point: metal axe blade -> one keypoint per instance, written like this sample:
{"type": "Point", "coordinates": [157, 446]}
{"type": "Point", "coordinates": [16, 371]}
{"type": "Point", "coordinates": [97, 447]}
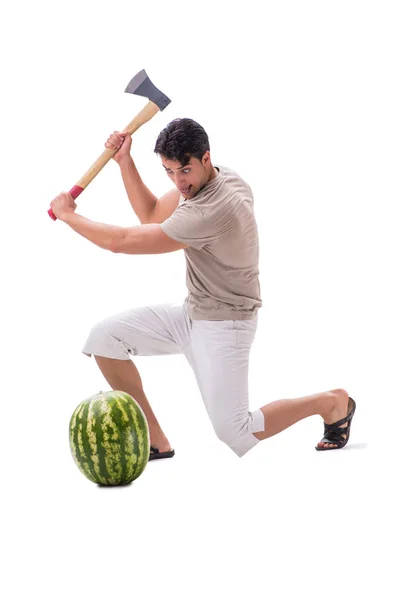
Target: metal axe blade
{"type": "Point", "coordinates": [141, 85]}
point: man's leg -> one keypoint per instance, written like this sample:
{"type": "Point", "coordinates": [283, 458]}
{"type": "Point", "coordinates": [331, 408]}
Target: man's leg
{"type": "Point", "coordinates": [123, 375]}
{"type": "Point", "coordinates": [281, 414]}
{"type": "Point", "coordinates": [219, 355]}
{"type": "Point", "coordinates": [156, 330]}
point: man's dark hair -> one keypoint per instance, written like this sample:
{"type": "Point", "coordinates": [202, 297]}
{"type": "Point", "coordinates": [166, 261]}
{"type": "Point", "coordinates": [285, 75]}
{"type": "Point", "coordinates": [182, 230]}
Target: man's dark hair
{"type": "Point", "coordinates": [181, 139]}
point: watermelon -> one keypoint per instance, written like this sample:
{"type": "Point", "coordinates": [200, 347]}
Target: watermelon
{"type": "Point", "coordinates": [109, 438]}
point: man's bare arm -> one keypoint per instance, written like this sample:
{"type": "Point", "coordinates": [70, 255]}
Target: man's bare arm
{"type": "Point", "coordinates": [164, 207]}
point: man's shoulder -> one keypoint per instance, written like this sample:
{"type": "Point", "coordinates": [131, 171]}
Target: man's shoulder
{"type": "Point", "coordinates": [225, 171]}
{"type": "Point", "coordinates": [234, 182]}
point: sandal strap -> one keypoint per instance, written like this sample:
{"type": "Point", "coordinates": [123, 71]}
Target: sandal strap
{"type": "Point", "coordinates": [334, 434]}
{"type": "Point", "coordinates": [342, 421]}
{"type": "Point", "coordinates": [336, 430]}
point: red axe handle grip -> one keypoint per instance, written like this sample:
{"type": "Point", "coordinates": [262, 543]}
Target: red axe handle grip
{"type": "Point", "coordinates": [75, 191]}
{"type": "Point", "coordinates": [145, 115]}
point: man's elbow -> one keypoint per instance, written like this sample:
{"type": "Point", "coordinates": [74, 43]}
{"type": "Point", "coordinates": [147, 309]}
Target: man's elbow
{"type": "Point", "coordinates": [116, 244]}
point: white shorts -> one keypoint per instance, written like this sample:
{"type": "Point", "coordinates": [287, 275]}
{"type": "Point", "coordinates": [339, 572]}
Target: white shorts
{"type": "Point", "coordinates": [217, 351]}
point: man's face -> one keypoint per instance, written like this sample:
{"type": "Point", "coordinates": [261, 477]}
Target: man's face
{"type": "Point", "coordinates": [191, 178]}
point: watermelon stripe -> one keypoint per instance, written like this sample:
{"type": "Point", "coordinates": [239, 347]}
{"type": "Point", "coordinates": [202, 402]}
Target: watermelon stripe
{"type": "Point", "coordinates": [85, 442]}
{"type": "Point", "coordinates": [112, 442]}
{"type": "Point", "coordinates": [140, 423]}
{"type": "Point", "coordinates": [136, 426]}
{"type": "Point", "coordinates": [115, 430]}
{"type": "Point", "coordinates": [136, 457]}
{"type": "Point", "coordinates": [77, 442]}
{"type": "Point", "coordinates": [99, 439]}
{"type": "Point", "coordinates": [132, 446]}
{"type": "Point", "coordinates": [91, 434]}
{"type": "Point", "coordinates": [122, 422]}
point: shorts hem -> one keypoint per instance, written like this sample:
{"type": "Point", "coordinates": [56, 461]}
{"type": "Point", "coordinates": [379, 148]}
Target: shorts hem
{"type": "Point", "coordinates": [106, 354]}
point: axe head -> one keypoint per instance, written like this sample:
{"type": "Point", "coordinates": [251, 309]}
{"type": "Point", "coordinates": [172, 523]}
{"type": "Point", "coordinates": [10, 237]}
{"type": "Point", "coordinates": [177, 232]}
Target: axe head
{"type": "Point", "coordinates": [142, 86]}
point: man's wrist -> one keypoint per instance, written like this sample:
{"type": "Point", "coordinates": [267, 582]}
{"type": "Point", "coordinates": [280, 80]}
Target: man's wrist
{"type": "Point", "coordinates": [125, 161]}
{"type": "Point", "coordinates": [68, 217]}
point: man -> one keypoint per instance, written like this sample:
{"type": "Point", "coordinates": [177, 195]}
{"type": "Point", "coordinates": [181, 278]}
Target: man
{"type": "Point", "coordinates": [209, 214]}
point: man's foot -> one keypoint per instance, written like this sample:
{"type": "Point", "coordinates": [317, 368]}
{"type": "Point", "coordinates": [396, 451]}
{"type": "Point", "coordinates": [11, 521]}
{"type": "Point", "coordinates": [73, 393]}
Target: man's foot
{"type": "Point", "coordinates": [160, 447]}
{"type": "Point", "coordinates": [156, 453]}
{"type": "Point", "coordinates": [337, 418]}
{"type": "Point", "coordinates": [158, 439]}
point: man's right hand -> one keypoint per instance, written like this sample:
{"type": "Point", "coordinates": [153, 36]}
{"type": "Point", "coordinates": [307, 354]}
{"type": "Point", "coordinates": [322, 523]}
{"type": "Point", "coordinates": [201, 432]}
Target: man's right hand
{"type": "Point", "coordinates": [121, 142]}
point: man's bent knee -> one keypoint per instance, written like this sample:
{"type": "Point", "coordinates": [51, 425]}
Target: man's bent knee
{"type": "Point", "coordinates": [238, 440]}
{"type": "Point", "coordinates": [102, 342]}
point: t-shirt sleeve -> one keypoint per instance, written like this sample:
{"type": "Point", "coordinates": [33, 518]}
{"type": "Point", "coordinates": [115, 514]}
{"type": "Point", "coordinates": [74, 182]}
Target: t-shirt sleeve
{"type": "Point", "coordinates": [190, 225]}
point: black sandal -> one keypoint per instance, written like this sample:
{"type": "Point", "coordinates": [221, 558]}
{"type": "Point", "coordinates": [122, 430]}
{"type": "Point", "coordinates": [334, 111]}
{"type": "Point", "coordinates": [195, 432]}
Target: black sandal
{"type": "Point", "coordinates": [333, 432]}
{"type": "Point", "coordinates": [155, 453]}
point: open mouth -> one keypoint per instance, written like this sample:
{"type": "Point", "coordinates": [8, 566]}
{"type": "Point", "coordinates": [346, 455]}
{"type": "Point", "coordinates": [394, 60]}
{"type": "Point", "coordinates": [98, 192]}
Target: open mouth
{"type": "Point", "coordinates": [185, 190]}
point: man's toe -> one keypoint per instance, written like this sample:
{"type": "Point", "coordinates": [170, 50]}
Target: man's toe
{"type": "Point", "coordinates": [326, 445]}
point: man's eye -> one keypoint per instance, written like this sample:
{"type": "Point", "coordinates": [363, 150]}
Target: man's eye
{"type": "Point", "coordinates": [186, 170]}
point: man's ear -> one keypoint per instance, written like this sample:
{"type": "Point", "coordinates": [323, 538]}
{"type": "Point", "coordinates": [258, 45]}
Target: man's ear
{"type": "Point", "coordinates": [206, 158]}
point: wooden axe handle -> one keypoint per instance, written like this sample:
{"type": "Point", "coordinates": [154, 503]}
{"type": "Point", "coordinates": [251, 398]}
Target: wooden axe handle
{"type": "Point", "coordinates": [145, 115]}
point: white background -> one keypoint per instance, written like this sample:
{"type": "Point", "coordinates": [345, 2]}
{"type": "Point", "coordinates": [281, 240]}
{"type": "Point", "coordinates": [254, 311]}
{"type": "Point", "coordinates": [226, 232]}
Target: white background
{"type": "Point", "coordinates": [302, 99]}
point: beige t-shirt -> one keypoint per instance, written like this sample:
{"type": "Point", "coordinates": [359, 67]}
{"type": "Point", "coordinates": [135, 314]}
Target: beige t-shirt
{"type": "Point", "coordinates": [222, 261]}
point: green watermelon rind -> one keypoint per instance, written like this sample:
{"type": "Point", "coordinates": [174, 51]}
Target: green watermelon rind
{"type": "Point", "coordinates": [100, 452]}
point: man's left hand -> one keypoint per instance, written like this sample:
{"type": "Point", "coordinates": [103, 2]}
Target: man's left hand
{"type": "Point", "coordinates": [62, 205]}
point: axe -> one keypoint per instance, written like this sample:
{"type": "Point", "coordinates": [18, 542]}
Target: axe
{"type": "Point", "coordinates": [141, 86]}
